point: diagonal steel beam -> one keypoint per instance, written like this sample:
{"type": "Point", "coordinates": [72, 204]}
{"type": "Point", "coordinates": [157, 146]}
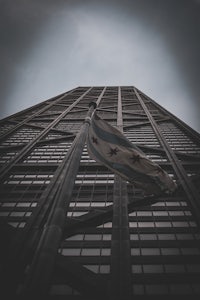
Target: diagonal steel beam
{"type": "Point", "coordinates": [57, 99]}
{"type": "Point", "coordinates": [31, 145]}
{"type": "Point", "coordinates": [39, 275]}
{"type": "Point", "coordinates": [80, 278]}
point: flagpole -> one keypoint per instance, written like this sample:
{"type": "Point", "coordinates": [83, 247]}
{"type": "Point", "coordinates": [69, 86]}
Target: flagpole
{"type": "Point", "coordinates": [41, 269]}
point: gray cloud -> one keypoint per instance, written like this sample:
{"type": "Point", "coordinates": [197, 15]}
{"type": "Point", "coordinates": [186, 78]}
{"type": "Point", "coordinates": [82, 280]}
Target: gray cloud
{"type": "Point", "coordinates": [48, 47]}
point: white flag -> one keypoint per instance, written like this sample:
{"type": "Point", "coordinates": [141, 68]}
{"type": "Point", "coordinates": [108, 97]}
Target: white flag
{"type": "Point", "coordinates": [110, 147]}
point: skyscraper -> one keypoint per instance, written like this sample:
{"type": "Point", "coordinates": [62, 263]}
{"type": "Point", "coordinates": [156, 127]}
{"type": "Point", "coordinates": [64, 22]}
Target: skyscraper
{"type": "Point", "coordinates": [71, 229]}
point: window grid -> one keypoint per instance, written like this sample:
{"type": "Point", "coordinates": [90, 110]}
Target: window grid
{"type": "Point", "coordinates": [178, 140]}
{"type": "Point", "coordinates": [22, 135]}
{"type": "Point", "coordinates": [91, 191]}
{"type": "Point", "coordinates": [164, 237]}
{"type": "Point", "coordinates": [48, 153]}
{"type": "Point", "coordinates": [143, 136]}
{"type": "Point", "coordinates": [6, 157]}
{"type": "Point", "coordinates": [166, 289]}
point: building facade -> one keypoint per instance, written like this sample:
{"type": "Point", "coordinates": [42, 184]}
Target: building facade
{"type": "Point", "coordinates": [71, 229]}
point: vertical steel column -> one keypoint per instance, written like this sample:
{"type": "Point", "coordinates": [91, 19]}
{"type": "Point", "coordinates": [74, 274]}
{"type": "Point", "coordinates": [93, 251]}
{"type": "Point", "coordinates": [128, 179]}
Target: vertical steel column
{"type": "Point", "coordinates": [185, 181]}
{"type": "Point", "coordinates": [120, 252]}
{"type": "Point", "coordinates": [41, 270]}
{"type": "Point", "coordinates": [21, 240]}
{"type": "Point", "coordinates": [183, 125]}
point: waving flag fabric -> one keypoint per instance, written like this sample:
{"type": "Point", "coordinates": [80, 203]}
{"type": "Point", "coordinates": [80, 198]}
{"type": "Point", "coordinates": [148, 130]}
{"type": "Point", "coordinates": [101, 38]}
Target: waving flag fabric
{"type": "Point", "coordinates": [110, 147]}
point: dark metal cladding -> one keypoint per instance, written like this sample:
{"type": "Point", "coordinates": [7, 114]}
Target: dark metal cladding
{"type": "Point", "coordinates": [71, 229]}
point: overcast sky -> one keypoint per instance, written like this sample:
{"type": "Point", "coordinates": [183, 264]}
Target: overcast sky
{"type": "Point", "coordinates": [50, 46]}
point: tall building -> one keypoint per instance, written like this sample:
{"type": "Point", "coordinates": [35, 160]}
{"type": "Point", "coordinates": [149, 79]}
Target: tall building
{"type": "Point", "coordinates": [71, 229]}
